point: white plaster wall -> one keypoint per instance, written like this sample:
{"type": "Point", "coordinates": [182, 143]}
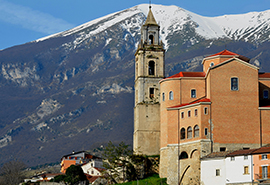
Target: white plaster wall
{"type": "Point", "coordinates": [208, 172]}
{"type": "Point", "coordinates": [235, 169]}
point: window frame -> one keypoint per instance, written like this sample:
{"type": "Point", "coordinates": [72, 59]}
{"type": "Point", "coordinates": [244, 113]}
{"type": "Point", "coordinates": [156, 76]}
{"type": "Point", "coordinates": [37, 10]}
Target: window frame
{"type": "Point", "coordinates": [189, 113]}
{"type": "Point", "coordinates": [196, 131]}
{"type": "Point", "coordinates": [171, 95]}
{"type": "Point", "coordinates": [205, 110]}
{"type": "Point", "coordinates": [196, 112]}
{"type": "Point", "coordinates": [265, 97]}
{"type": "Point", "coordinates": [182, 115]}
{"type": "Point", "coordinates": [189, 132]}
{"type": "Point", "coordinates": [246, 170]}
{"type": "Point", "coordinates": [183, 133]}
{"type": "Point", "coordinates": [151, 68]}
{"type": "Point", "coordinates": [193, 93]}
{"type": "Point", "coordinates": [217, 172]}
{"type": "Point", "coordinates": [163, 96]}
{"type": "Point", "coordinates": [234, 84]}
{"type": "Point", "coordinates": [151, 92]}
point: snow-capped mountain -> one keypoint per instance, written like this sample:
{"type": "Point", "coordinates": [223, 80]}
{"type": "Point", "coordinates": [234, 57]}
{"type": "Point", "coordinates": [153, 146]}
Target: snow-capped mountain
{"type": "Point", "coordinates": [74, 90]}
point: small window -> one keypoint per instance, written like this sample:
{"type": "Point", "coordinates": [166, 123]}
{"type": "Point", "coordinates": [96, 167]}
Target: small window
{"type": "Point", "coordinates": [234, 84]}
{"type": "Point", "coordinates": [205, 131]}
{"type": "Point", "coordinates": [189, 132]}
{"type": "Point", "coordinates": [265, 94]}
{"type": "Point", "coordinates": [217, 172]}
{"type": "Point", "coordinates": [232, 158]}
{"type": "Point", "coordinates": [212, 64]}
{"type": "Point", "coordinates": [151, 68]}
{"type": "Point", "coordinates": [182, 115]}
{"type": "Point", "coordinates": [183, 155]}
{"type": "Point", "coordinates": [196, 131]}
{"type": "Point", "coordinates": [189, 113]}
{"type": "Point", "coordinates": [196, 112]}
{"type": "Point", "coordinates": [151, 93]}
{"type": "Point", "coordinates": [193, 93]}
{"type": "Point", "coordinates": [264, 156]}
{"type": "Point", "coordinates": [205, 110]}
{"type": "Point", "coordinates": [183, 133]}
{"type": "Point", "coordinates": [170, 95]}
{"type": "Point", "coordinates": [151, 39]}
{"type": "Point", "coordinates": [222, 149]}
{"type": "Point", "coordinates": [245, 157]}
{"type": "Point", "coordinates": [246, 170]}
{"type": "Point", "coordinates": [163, 96]}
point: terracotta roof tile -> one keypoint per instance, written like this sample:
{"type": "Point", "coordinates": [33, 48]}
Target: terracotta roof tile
{"type": "Point", "coordinates": [229, 53]}
{"type": "Point", "coordinates": [187, 74]}
{"type": "Point", "coordinates": [262, 150]}
{"type": "Point", "coordinates": [241, 152]}
{"type": "Point", "coordinates": [194, 102]}
{"type": "Point", "coordinates": [216, 154]}
{"type": "Point", "coordinates": [264, 75]}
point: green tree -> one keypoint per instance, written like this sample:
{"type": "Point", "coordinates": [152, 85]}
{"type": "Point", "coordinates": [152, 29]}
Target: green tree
{"type": "Point", "coordinates": [74, 175]}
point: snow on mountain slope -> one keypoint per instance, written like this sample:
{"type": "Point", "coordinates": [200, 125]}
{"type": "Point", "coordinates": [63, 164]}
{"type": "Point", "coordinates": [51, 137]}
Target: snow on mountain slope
{"type": "Point", "coordinates": [172, 19]}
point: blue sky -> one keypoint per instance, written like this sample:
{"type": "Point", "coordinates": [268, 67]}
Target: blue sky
{"type": "Point", "coordinates": [23, 21]}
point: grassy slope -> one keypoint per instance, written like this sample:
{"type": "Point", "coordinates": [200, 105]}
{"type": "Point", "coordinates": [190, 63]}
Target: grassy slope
{"type": "Point", "coordinates": [153, 180]}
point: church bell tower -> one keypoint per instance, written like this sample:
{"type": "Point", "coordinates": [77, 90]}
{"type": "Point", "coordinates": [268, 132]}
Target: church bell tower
{"type": "Point", "coordinates": [149, 70]}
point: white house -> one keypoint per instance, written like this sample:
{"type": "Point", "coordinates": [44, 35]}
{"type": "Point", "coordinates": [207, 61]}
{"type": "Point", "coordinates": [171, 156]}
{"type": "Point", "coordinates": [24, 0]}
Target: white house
{"type": "Point", "coordinates": [93, 168]}
{"type": "Point", "coordinates": [239, 167]}
{"type": "Point", "coordinates": [213, 169]}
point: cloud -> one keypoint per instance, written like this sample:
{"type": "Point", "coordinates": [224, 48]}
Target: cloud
{"type": "Point", "coordinates": [31, 19]}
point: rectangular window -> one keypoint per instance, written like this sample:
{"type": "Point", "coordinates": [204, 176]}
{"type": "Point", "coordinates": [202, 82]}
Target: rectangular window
{"type": "Point", "coordinates": [264, 172]}
{"type": "Point", "coordinates": [245, 157]}
{"type": "Point", "coordinates": [193, 93]}
{"type": "Point", "coordinates": [205, 131]}
{"type": "Point", "coordinates": [151, 93]}
{"type": "Point", "coordinates": [222, 149]}
{"type": "Point", "coordinates": [196, 112]}
{"type": "Point", "coordinates": [182, 115]}
{"type": "Point", "coordinates": [217, 172]}
{"type": "Point", "coordinates": [234, 84]}
{"type": "Point", "coordinates": [163, 96]}
{"type": "Point", "coordinates": [265, 94]}
{"type": "Point", "coordinates": [232, 159]}
{"type": "Point", "coordinates": [189, 113]}
{"type": "Point", "coordinates": [246, 170]}
{"type": "Point", "coordinates": [264, 156]}
{"type": "Point", "coordinates": [205, 110]}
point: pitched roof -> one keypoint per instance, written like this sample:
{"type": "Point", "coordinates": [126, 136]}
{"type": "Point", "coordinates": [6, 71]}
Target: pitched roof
{"type": "Point", "coordinates": [187, 74]}
{"type": "Point", "coordinates": [229, 53]}
{"type": "Point", "coordinates": [191, 103]}
{"type": "Point", "coordinates": [262, 150]}
{"type": "Point", "coordinates": [264, 75]}
{"type": "Point", "coordinates": [241, 152]}
{"type": "Point", "coordinates": [216, 154]}
{"type": "Point", "coordinates": [150, 20]}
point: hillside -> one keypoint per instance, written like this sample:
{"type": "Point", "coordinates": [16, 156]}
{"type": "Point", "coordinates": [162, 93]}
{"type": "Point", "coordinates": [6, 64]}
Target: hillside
{"type": "Point", "coordinates": [74, 90]}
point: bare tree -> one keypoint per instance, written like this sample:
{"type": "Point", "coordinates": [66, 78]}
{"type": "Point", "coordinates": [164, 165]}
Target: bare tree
{"type": "Point", "coordinates": [11, 173]}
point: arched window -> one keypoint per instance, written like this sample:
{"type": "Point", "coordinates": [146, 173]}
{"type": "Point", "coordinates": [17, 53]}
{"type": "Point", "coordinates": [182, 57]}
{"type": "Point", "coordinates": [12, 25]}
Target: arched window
{"type": "Point", "coordinates": [265, 94]}
{"type": "Point", "coordinates": [183, 155]}
{"type": "Point", "coordinates": [234, 84]}
{"type": "Point", "coordinates": [170, 95]}
{"type": "Point", "coordinates": [183, 133]}
{"type": "Point", "coordinates": [151, 68]}
{"type": "Point", "coordinates": [196, 131]}
{"type": "Point", "coordinates": [189, 132]}
{"type": "Point", "coordinates": [151, 39]}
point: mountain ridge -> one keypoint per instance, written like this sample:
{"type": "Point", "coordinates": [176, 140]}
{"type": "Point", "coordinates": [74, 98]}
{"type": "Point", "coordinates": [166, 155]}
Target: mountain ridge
{"type": "Point", "coordinates": [75, 91]}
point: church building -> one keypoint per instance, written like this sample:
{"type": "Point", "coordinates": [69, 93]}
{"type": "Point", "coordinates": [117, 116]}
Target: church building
{"type": "Point", "coordinates": [189, 115]}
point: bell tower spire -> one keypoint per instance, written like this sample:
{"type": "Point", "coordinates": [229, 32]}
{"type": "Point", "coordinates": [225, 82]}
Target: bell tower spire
{"type": "Point", "coordinates": [149, 70]}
